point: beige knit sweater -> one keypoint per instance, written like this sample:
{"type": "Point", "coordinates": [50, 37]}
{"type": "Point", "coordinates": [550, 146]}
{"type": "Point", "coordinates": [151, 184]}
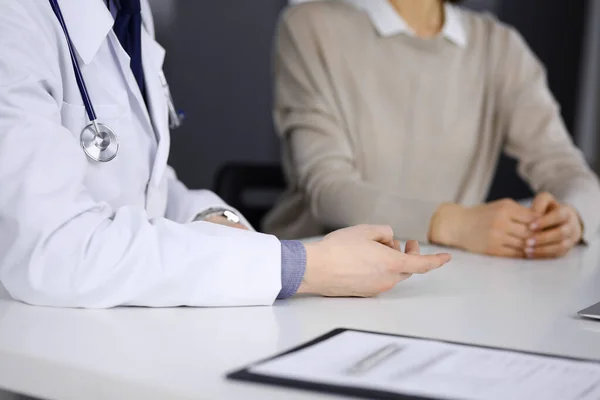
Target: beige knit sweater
{"type": "Point", "coordinates": [383, 130]}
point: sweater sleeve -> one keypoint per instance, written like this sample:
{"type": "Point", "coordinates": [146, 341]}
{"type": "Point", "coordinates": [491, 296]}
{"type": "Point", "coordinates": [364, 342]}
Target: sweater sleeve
{"type": "Point", "coordinates": [537, 137]}
{"type": "Point", "coordinates": [323, 160]}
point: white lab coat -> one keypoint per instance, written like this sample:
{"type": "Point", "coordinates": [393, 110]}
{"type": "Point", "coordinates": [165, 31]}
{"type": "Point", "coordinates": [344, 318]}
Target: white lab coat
{"type": "Point", "coordinates": [76, 233]}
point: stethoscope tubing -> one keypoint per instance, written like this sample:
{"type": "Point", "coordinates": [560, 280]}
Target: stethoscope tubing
{"type": "Point", "coordinates": [85, 96]}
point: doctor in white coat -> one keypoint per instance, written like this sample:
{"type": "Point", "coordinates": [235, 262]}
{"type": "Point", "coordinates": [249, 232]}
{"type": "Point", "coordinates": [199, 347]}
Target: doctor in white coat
{"type": "Point", "coordinates": [75, 232]}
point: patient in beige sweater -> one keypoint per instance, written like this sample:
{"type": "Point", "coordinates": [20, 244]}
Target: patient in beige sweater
{"type": "Point", "coordinates": [396, 111]}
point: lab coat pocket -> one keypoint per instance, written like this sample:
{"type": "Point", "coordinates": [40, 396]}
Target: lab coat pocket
{"type": "Point", "coordinates": [74, 117]}
{"type": "Point", "coordinates": [100, 180]}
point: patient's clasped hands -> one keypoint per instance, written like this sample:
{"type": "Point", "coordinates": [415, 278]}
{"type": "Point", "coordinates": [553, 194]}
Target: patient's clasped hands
{"type": "Point", "coordinates": [505, 228]}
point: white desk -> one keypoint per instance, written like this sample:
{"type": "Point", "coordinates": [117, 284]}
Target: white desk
{"type": "Point", "coordinates": [185, 353]}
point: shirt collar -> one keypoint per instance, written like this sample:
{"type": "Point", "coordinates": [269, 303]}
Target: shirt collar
{"type": "Point", "coordinates": [388, 22]}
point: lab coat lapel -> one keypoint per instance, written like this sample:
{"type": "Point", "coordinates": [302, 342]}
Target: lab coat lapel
{"type": "Point", "coordinates": [132, 86]}
{"type": "Point", "coordinates": [88, 22]}
{"type": "Point", "coordinates": [154, 56]}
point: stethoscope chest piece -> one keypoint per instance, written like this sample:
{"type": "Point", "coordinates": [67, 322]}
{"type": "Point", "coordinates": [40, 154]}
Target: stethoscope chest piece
{"type": "Point", "coordinates": [99, 142]}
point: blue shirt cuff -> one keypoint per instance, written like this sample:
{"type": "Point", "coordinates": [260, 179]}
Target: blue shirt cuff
{"type": "Point", "coordinates": [293, 265]}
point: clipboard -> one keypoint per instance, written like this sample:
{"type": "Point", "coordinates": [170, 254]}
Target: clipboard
{"type": "Point", "coordinates": [592, 312]}
{"type": "Point", "coordinates": [247, 375]}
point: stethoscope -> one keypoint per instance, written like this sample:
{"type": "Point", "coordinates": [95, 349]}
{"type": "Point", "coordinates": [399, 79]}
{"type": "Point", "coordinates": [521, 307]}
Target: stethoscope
{"type": "Point", "coordinates": [99, 142]}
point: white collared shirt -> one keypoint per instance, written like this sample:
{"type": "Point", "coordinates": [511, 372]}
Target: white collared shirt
{"type": "Point", "coordinates": [388, 22]}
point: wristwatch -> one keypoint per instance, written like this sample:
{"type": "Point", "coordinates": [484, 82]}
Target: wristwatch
{"type": "Point", "coordinates": [218, 212]}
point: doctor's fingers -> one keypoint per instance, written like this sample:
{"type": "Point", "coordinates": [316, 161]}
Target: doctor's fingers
{"type": "Point", "coordinates": [412, 247]}
{"type": "Point", "coordinates": [396, 245]}
{"type": "Point", "coordinates": [418, 264]}
{"type": "Point", "coordinates": [379, 233]}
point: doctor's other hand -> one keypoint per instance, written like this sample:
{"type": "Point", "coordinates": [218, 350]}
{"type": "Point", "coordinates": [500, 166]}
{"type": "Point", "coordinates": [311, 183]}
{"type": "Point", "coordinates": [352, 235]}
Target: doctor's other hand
{"type": "Point", "coordinates": [362, 261]}
{"type": "Point", "coordinates": [500, 228]}
{"type": "Point", "coordinates": [220, 220]}
{"type": "Point", "coordinates": [556, 229]}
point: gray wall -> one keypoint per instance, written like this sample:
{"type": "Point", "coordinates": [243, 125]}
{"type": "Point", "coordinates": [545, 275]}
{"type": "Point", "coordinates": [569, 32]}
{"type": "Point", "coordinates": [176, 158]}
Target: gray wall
{"type": "Point", "coordinates": [555, 30]}
{"type": "Point", "coordinates": [218, 65]}
{"type": "Point", "coordinates": [588, 124]}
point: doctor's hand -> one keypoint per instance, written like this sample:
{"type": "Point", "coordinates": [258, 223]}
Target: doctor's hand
{"type": "Point", "coordinates": [220, 220]}
{"type": "Point", "coordinates": [362, 261]}
{"type": "Point", "coordinates": [556, 229]}
{"type": "Point", "coordinates": [500, 228]}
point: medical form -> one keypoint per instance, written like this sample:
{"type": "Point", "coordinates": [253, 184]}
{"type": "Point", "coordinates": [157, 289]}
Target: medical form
{"type": "Point", "coordinates": [382, 365]}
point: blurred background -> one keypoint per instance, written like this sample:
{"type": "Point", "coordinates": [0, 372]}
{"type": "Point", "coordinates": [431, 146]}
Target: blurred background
{"type": "Point", "coordinates": [219, 57]}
